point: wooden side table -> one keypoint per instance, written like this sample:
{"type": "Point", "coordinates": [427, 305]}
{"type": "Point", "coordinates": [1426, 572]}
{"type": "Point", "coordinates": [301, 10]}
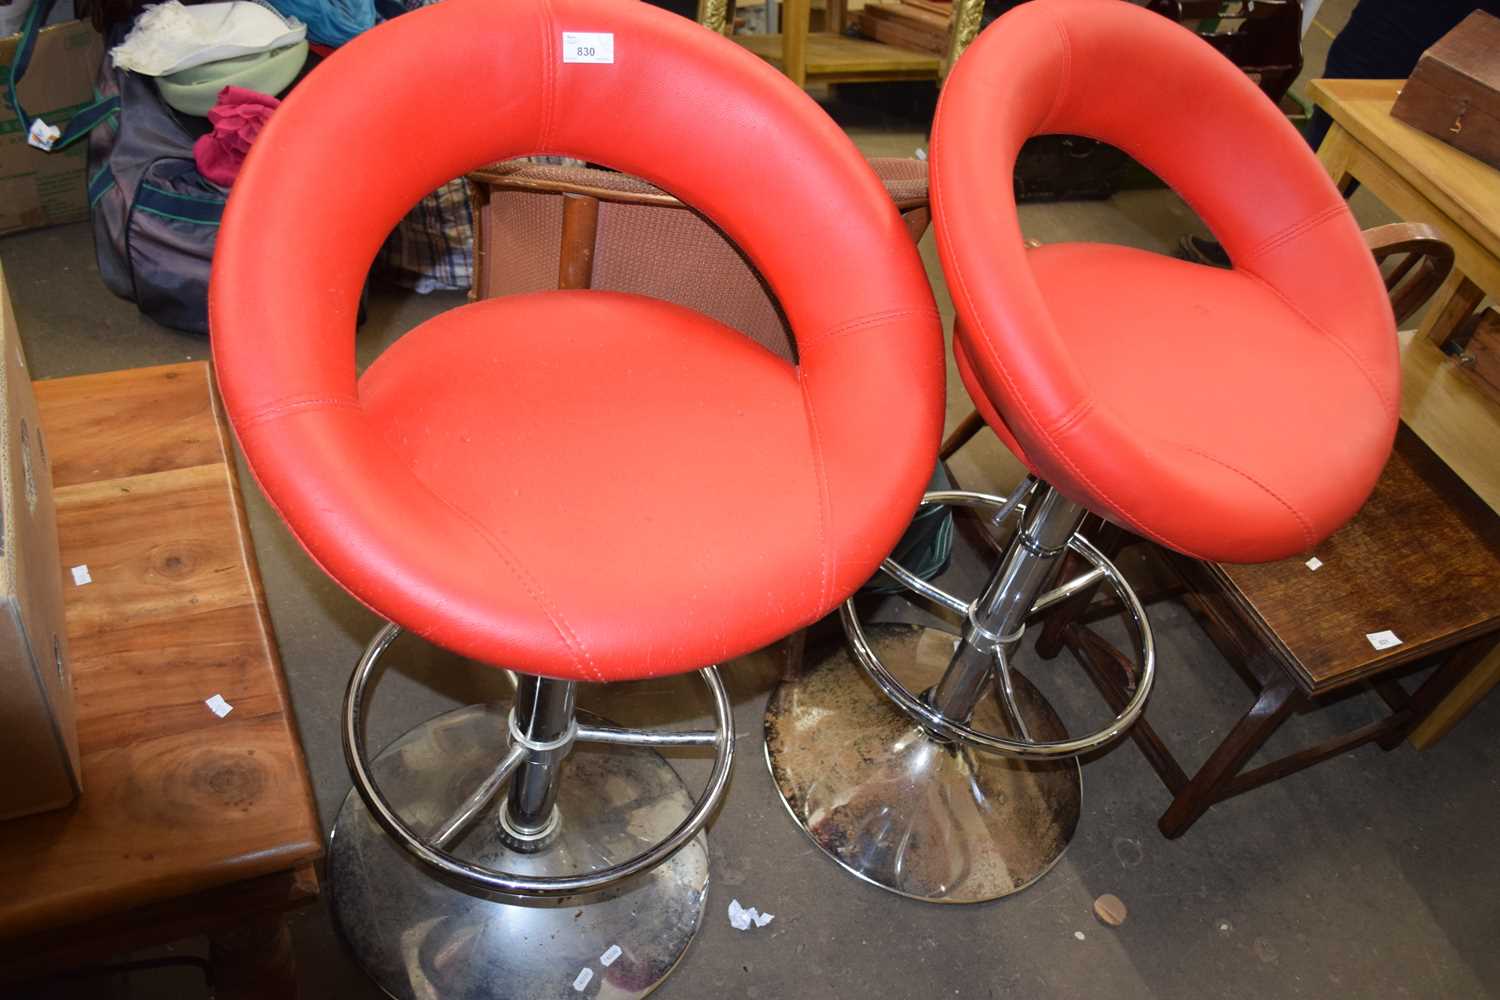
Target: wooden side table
{"type": "Point", "coordinates": [189, 823]}
{"type": "Point", "coordinates": [1421, 560]}
{"type": "Point", "coordinates": [1424, 180]}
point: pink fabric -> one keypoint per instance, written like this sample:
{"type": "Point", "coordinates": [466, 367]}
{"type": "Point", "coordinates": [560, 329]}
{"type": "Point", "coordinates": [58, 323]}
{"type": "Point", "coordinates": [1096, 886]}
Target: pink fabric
{"type": "Point", "coordinates": [237, 119]}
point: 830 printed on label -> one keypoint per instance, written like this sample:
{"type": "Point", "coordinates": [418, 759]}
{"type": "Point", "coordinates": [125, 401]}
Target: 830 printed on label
{"type": "Point", "coordinates": [588, 46]}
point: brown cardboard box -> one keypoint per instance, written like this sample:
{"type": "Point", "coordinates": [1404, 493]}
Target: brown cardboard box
{"type": "Point", "coordinates": [38, 738]}
{"type": "Point", "coordinates": [37, 188]}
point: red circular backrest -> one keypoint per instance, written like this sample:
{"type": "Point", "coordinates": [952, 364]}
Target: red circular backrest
{"type": "Point", "coordinates": [433, 94]}
{"type": "Point", "coordinates": [1116, 72]}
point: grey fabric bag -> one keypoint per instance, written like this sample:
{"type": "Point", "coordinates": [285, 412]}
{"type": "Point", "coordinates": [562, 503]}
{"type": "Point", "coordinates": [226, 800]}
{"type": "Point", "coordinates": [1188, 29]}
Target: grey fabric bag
{"type": "Point", "coordinates": [155, 218]}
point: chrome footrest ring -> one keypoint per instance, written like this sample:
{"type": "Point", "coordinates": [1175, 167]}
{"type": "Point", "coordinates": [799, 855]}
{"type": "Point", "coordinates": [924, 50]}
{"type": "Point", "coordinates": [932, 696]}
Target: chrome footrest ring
{"type": "Point", "coordinates": [478, 877]}
{"type": "Point", "coordinates": [950, 729]}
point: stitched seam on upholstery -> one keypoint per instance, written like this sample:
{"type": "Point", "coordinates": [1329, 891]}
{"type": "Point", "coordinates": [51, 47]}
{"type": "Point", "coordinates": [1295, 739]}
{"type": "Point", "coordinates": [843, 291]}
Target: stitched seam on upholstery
{"type": "Point", "coordinates": [1080, 411]}
{"type": "Point", "coordinates": [1296, 229]}
{"type": "Point", "coordinates": [1307, 532]}
{"type": "Point", "coordinates": [295, 404]}
{"type": "Point", "coordinates": [1067, 73]}
{"type": "Point", "coordinates": [825, 502]}
{"type": "Point", "coordinates": [987, 344]}
{"type": "Point", "coordinates": [1388, 404]}
{"type": "Point", "coordinates": [523, 576]}
{"type": "Point", "coordinates": [874, 319]}
{"type": "Point", "coordinates": [549, 78]}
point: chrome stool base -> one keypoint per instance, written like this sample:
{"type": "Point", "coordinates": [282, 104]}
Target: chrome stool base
{"type": "Point", "coordinates": [422, 938]}
{"type": "Point", "coordinates": [923, 817]}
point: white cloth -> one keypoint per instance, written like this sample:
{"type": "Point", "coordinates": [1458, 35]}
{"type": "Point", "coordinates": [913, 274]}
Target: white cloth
{"type": "Point", "coordinates": [169, 37]}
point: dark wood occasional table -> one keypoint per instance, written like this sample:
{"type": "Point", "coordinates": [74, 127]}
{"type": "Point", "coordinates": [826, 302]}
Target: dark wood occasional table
{"type": "Point", "coordinates": [189, 823]}
{"type": "Point", "coordinates": [1421, 561]}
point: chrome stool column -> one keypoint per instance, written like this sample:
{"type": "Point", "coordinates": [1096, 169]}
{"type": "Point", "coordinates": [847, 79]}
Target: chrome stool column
{"type": "Point", "coordinates": [480, 857]}
{"type": "Point", "coordinates": [951, 778]}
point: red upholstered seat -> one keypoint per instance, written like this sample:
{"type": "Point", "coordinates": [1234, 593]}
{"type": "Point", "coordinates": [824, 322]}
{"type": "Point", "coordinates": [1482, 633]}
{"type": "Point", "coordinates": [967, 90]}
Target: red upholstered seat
{"type": "Point", "coordinates": [1238, 415]}
{"type": "Point", "coordinates": [579, 484]}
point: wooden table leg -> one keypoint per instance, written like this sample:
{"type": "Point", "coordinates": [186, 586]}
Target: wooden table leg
{"type": "Point", "coordinates": [796, 16]}
{"type": "Point", "coordinates": [1476, 683]}
{"type": "Point", "coordinates": [966, 429]}
{"type": "Point", "coordinates": [1270, 710]}
{"type": "Point", "coordinates": [1337, 154]}
{"type": "Point", "coordinates": [254, 961]}
{"type": "Point", "coordinates": [1453, 302]}
{"type": "Point", "coordinates": [838, 16]}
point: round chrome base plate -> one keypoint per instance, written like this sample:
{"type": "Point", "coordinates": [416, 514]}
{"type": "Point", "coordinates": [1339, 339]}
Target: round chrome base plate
{"type": "Point", "coordinates": [910, 813]}
{"type": "Point", "coordinates": [421, 939]}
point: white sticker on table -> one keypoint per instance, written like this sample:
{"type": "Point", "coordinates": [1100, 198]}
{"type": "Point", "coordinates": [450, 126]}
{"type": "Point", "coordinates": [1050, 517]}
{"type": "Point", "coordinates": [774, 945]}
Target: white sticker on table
{"type": "Point", "coordinates": [81, 575]}
{"type": "Point", "coordinates": [1383, 640]}
{"type": "Point", "coordinates": [588, 46]}
{"type": "Point", "coordinates": [585, 976]}
{"type": "Point", "coordinates": [1315, 564]}
{"type": "Point", "coordinates": [608, 958]}
{"type": "Point", "coordinates": [218, 705]}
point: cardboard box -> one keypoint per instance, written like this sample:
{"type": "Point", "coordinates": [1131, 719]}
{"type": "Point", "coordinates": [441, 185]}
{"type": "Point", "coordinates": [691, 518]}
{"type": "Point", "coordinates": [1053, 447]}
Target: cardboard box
{"type": "Point", "coordinates": [38, 733]}
{"type": "Point", "coordinates": [37, 188]}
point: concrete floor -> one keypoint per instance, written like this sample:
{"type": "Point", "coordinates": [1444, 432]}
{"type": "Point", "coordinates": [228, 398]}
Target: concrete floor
{"type": "Point", "coordinates": [1371, 875]}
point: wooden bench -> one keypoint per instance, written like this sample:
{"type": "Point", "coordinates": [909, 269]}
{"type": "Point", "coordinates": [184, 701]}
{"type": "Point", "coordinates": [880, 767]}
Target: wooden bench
{"type": "Point", "coordinates": [188, 823]}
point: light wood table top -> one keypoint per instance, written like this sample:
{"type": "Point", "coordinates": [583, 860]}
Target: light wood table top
{"type": "Point", "coordinates": [1466, 189]}
{"type": "Point", "coordinates": [1424, 180]}
{"type": "Point", "coordinates": [176, 801]}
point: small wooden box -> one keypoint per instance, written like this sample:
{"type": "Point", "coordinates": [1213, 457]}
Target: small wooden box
{"type": "Point", "coordinates": [1454, 93]}
{"type": "Point", "coordinates": [1481, 352]}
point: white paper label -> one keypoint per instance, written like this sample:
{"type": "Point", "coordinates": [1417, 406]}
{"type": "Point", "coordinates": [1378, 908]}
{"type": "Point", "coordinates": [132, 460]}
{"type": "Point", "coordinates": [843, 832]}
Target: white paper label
{"type": "Point", "coordinates": [1315, 564]}
{"type": "Point", "coordinates": [588, 46]}
{"type": "Point", "coordinates": [1383, 640]}
{"type": "Point", "coordinates": [608, 958]}
{"type": "Point", "coordinates": [219, 706]}
{"type": "Point", "coordinates": [585, 976]}
{"type": "Point", "coordinates": [42, 135]}
{"type": "Point", "coordinates": [81, 576]}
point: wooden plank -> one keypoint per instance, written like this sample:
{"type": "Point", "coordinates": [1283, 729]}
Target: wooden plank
{"type": "Point", "coordinates": [1465, 189]}
{"type": "Point", "coordinates": [1421, 559]}
{"type": "Point", "coordinates": [897, 31]}
{"type": "Point", "coordinates": [1469, 692]}
{"type": "Point", "coordinates": [834, 58]}
{"type": "Point", "coordinates": [153, 420]}
{"type": "Point", "coordinates": [176, 801]}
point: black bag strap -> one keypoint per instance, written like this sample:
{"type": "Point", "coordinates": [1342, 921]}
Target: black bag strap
{"type": "Point", "coordinates": [81, 123]}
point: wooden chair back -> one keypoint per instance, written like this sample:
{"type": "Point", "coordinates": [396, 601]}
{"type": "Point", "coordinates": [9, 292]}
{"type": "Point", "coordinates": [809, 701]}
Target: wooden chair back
{"type": "Point", "coordinates": [541, 226]}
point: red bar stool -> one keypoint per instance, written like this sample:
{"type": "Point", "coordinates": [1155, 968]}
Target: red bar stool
{"type": "Point", "coordinates": [1234, 415]}
{"type": "Point", "coordinates": [577, 486]}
